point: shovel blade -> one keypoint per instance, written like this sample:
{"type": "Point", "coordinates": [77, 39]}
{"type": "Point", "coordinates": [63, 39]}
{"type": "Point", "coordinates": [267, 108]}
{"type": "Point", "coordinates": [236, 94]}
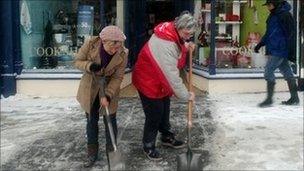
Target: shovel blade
{"type": "Point", "coordinates": [116, 161]}
{"type": "Point", "coordinates": [189, 162]}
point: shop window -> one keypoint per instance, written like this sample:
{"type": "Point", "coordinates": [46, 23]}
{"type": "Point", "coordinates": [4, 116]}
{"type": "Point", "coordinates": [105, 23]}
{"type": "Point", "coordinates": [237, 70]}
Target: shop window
{"type": "Point", "coordinates": [53, 31]}
{"type": "Point", "coordinates": [239, 26]}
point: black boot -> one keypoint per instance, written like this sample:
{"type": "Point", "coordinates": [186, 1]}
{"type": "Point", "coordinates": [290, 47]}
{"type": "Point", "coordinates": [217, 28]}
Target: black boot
{"type": "Point", "coordinates": [293, 89]}
{"type": "Point", "coordinates": [92, 155]}
{"type": "Point", "coordinates": [171, 141]}
{"type": "Point", "coordinates": [270, 89]}
{"type": "Point", "coordinates": [151, 152]}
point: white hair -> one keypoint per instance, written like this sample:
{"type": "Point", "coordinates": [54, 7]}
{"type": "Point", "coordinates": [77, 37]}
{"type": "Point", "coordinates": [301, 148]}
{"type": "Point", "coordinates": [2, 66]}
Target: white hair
{"type": "Point", "coordinates": [185, 21]}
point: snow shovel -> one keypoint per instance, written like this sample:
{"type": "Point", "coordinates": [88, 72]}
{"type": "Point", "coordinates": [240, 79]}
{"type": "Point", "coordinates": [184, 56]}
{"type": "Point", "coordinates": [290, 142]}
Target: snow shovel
{"type": "Point", "coordinates": [189, 160]}
{"type": "Point", "coordinates": [115, 160]}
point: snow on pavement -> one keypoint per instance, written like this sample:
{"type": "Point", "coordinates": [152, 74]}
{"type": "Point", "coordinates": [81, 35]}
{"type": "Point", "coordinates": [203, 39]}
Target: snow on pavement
{"type": "Point", "coordinates": [228, 129]}
{"type": "Point", "coordinates": [47, 133]}
{"type": "Point", "coordinates": [251, 138]}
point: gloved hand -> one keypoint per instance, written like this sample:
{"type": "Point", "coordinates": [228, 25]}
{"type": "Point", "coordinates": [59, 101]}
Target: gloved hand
{"type": "Point", "coordinates": [95, 67]}
{"type": "Point", "coordinates": [257, 48]}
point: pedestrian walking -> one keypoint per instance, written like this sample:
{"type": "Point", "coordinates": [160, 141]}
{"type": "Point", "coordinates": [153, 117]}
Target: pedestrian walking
{"type": "Point", "coordinates": [156, 77]}
{"type": "Point", "coordinates": [279, 41]}
{"type": "Point", "coordinates": [102, 57]}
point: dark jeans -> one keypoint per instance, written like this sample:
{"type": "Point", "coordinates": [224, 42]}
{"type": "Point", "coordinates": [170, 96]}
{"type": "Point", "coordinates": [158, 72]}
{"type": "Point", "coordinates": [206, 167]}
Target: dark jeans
{"type": "Point", "coordinates": [92, 125]}
{"type": "Point", "coordinates": [276, 62]}
{"type": "Point", "coordinates": [157, 112]}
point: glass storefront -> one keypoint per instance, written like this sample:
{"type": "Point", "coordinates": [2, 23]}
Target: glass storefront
{"type": "Point", "coordinates": [237, 26]}
{"type": "Point", "coordinates": [52, 31]}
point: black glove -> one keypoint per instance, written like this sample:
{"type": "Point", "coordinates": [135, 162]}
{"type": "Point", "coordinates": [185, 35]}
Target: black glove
{"type": "Point", "coordinates": [257, 48]}
{"type": "Point", "coordinates": [95, 67]}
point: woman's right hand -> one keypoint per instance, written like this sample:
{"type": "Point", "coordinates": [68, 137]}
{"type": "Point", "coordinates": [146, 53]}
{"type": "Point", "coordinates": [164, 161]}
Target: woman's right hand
{"type": "Point", "coordinates": [104, 102]}
{"type": "Point", "coordinates": [192, 96]}
{"type": "Point", "coordinates": [190, 46]}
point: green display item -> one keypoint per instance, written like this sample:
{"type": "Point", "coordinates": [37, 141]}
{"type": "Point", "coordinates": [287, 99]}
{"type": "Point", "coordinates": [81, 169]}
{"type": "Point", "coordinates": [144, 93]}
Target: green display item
{"type": "Point", "coordinates": [204, 54]}
{"type": "Point", "coordinates": [248, 17]}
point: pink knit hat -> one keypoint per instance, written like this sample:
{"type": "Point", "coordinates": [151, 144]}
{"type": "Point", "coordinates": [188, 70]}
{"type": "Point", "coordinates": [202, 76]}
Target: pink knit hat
{"type": "Point", "coordinates": [112, 33]}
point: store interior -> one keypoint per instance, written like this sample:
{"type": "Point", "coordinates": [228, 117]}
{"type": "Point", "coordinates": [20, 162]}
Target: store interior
{"type": "Point", "coordinates": [240, 25]}
{"type": "Point", "coordinates": [59, 28]}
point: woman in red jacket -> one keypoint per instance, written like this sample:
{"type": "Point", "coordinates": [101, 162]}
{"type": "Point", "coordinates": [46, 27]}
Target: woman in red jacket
{"type": "Point", "coordinates": [156, 77]}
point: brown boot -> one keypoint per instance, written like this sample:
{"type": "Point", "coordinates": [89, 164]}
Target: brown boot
{"type": "Point", "coordinates": [92, 155]}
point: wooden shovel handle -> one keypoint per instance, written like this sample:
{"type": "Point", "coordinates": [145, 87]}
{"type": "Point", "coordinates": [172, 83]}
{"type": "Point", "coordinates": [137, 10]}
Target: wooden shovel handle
{"type": "Point", "coordinates": [190, 103]}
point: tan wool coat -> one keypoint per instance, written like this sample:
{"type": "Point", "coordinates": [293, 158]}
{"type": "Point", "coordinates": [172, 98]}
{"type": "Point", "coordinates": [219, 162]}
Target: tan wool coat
{"type": "Point", "coordinates": [89, 87]}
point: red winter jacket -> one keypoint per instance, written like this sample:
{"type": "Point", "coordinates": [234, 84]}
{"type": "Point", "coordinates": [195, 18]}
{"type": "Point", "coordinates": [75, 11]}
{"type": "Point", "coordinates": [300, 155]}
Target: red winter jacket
{"type": "Point", "coordinates": [155, 73]}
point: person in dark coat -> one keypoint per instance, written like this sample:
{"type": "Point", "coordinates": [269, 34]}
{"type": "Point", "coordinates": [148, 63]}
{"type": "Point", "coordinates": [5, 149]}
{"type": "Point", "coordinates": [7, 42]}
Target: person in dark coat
{"type": "Point", "coordinates": [279, 40]}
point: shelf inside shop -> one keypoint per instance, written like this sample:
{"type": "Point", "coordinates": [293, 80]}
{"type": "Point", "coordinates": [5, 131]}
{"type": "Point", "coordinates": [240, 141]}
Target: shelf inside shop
{"type": "Point", "coordinates": [205, 10]}
{"type": "Point", "coordinates": [228, 22]}
{"type": "Point", "coordinates": [223, 38]}
{"type": "Point", "coordinates": [241, 2]}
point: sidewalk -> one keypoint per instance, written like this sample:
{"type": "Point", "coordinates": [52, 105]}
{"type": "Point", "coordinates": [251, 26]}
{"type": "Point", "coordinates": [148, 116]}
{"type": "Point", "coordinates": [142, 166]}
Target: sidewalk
{"type": "Point", "coordinates": [251, 138]}
{"type": "Point", "coordinates": [229, 130]}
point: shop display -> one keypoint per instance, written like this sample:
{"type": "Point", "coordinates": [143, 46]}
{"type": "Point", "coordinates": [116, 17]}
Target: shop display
{"type": "Point", "coordinates": [229, 53]}
{"type": "Point", "coordinates": [85, 21]}
{"type": "Point", "coordinates": [227, 42]}
{"type": "Point", "coordinates": [258, 60]}
{"type": "Point", "coordinates": [47, 59]}
{"type": "Point", "coordinates": [238, 26]}
{"type": "Point", "coordinates": [61, 29]}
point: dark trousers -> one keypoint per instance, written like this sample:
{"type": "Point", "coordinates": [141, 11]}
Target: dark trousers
{"type": "Point", "coordinates": [92, 125]}
{"type": "Point", "coordinates": [157, 112]}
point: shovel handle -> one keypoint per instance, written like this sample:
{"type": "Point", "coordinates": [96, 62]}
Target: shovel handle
{"type": "Point", "coordinates": [110, 127]}
{"type": "Point", "coordinates": [190, 103]}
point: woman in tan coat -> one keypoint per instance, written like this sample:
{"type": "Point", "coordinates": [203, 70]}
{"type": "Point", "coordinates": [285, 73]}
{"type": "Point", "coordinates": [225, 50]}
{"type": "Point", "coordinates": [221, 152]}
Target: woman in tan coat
{"type": "Point", "coordinates": [102, 57]}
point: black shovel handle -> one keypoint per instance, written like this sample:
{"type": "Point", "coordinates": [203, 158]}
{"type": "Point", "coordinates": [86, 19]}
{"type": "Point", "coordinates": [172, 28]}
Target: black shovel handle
{"type": "Point", "coordinates": [110, 127]}
{"type": "Point", "coordinates": [102, 84]}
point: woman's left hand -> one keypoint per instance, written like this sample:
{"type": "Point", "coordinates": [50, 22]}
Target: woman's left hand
{"type": "Point", "coordinates": [104, 102]}
{"type": "Point", "coordinates": [190, 45]}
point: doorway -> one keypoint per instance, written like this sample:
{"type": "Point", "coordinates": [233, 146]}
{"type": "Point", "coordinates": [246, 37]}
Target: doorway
{"type": "Point", "coordinates": [142, 15]}
{"type": "Point", "coordinates": [157, 12]}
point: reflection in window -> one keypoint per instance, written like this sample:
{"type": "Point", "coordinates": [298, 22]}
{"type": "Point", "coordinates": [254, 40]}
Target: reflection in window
{"type": "Point", "coordinates": [59, 28]}
{"type": "Point", "coordinates": [240, 25]}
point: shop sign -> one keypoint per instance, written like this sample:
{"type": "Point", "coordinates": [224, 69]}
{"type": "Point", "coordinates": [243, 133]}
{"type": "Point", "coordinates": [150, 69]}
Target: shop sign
{"type": "Point", "coordinates": [52, 51]}
{"type": "Point", "coordinates": [243, 50]}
